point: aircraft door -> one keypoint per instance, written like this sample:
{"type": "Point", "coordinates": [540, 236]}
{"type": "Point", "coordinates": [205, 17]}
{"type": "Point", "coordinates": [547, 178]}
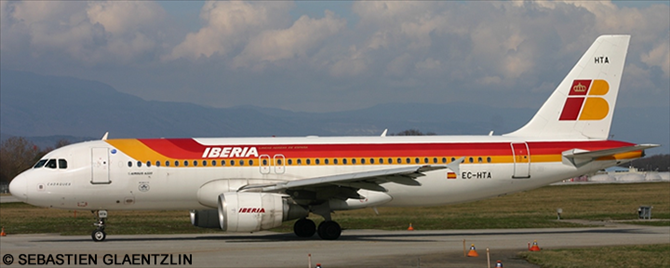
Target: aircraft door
{"type": "Point", "coordinates": [279, 162]}
{"type": "Point", "coordinates": [100, 166]}
{"type": "Point", "coordinates": [521, 160]}
{"type": "Point", "coordinates": [264, 164]}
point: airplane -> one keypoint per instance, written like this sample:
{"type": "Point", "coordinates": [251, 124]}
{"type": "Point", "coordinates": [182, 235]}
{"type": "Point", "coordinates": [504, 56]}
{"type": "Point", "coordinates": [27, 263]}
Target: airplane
{"type": "Point", "coordinates": [253, 184]}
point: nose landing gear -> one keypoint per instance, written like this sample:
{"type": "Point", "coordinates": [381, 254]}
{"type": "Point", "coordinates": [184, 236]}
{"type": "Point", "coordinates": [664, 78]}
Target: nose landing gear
{"type": "Point", "coordinates": [99, 234]}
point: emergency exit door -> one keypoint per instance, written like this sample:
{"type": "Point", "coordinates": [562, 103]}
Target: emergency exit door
{"type": "Point", "coordinates": [521, 160]}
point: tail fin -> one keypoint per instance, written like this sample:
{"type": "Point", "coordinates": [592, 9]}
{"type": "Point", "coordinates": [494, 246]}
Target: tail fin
{"type": "Point", "coordinates": [581, 107]}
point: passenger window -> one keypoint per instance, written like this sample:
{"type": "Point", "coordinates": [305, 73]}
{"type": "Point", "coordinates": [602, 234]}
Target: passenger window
{"type": "Point", "coordinates": [325, 161]}
{"type": "Point", "coordinates": [479, 159]}
{"type": "Point", "coordinates": [372, 160]}
{"type": "Point", "coordinates": [390, 160]}
{"type": "Point", "coordinates": [204, 163]}
{"type": "Point", "coordinates": [308, 161]}
{"type": "Point", "coordinates": [186, 163]}
{"type": "Point", "coordinates": [488, 159]}
{"type": "Point", "coordinates": [299, 161]}
{"type": "Point", "coordinates": [223, 162]}
{"type": "Point", "coordinates": [232, 162]}
{"type": "Point", "coordinates": [408, 161]}
{"type": "Point", "coordinates": [470, 159]}
{"type": "Point", "coordinates": [290, 161]}
{"type": "Point", "coordinates": [195, 163]}
{"type": "Point", "coordinates": [213, 162]}
{"type": "Point", "coordinates": [399, 160]}
{"type": "Point", "coordinates": [139, 164]}
{"type": "Point", "coordinates": [416, 160]}
{"type": "Point", "coordinates": [335, 161]}
{"type": "Point", "coordinates": [444, 160]}
{"type": "Point", "coordinates": [241, 162]}
{"type": "Point", "coordinates": [158, 163]}
{"type": "Point", "coordinates": [434, 160]}
{"type": "Point", "coordinates": [425, 160]}
{"type": "Point", "coordinates": [344, 161]}
{"type": "Point", "coordinates": [353, 161]}
{"type": "Point", "coordinates": [167, 163]}
{"type": "Point", "coordinates": [278, 161]}
{"type": "Point", "coordinates": [265, 162]}
{"type": "Point", "coordinates": [176, 163]}
{"type": "Point", "coordinates": [130, 163]}
{"type": "Point", "coordinates": [148, 163]}
{"type": "Point", "coordinates": [40, 163]}
{"type": "Point", "coordinates": [453, 159]}
{"type": "Point", "coordinates": [381, 160]}
{"type": "Point", "coordinates": [362, 160]}
{"type": "Point", "coordinates": [62, 164]}
{"type": "Point", "coordinates": [317, 161]}
{"type": "Point", "coordinates": [251, 162]}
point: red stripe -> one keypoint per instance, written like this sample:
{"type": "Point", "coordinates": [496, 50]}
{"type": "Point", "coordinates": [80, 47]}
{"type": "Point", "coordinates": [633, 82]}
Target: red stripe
{"type": "Point", "coordinates": [190, 149]}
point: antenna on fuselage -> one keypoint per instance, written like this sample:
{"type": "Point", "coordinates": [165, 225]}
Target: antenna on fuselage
{"type": "Point", "coordinates": [104, 137]}
{"type": "Point", "coordinates": [384, 133]}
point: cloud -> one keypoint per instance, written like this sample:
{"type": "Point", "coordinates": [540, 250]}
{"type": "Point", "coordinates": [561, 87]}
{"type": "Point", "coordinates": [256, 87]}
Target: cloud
{"type": "Point", "coordinates": [229, 25]}
{"type": "Point", "coordinates": [305, 35]}
{"type": "Point", "coordinates": [89, 33]}
{"type": "Point", "coordinates": [266, 52]}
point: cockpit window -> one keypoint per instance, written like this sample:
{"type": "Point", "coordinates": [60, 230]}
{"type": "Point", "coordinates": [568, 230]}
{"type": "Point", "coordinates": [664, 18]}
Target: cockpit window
{"type": "Point", "coordinates": [40, 163]}
{"type": "Point", "coordinates": [51, 163]}
{"type": "Point", "coordinates": [62, 163]}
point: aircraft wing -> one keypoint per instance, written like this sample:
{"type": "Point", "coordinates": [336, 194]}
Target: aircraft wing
{"type": "Point", "coordinates": [579, 157]}
{"type": "Point", "coordinates": [369, 180]}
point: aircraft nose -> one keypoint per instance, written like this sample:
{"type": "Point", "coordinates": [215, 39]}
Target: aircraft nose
{"type": "Point", "coordinates": [19, 187]}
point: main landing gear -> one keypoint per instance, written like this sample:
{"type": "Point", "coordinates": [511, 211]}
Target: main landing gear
{"type": "Point", "coordinates": [99, 234]}
{"type": "Point", "coordinates": [328, 229]}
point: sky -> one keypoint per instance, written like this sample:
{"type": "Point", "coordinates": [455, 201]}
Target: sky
{"type": "Point", "coordinates": [323, 56]}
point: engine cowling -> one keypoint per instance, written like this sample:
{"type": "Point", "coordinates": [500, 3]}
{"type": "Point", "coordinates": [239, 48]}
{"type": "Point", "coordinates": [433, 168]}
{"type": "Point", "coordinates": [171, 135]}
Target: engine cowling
{"type": "Point", "coordinates": [208, 218]}
{"type": "Point", "coordinates": [250, 212]}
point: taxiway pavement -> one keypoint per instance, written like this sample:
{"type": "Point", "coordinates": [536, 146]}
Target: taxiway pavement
{"type": "Point", "coordinates": [356, 248]}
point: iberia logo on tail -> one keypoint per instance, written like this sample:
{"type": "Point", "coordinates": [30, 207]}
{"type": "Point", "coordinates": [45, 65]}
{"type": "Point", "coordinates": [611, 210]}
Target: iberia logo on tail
{"type": "Point", "coordinates": [583, 102]}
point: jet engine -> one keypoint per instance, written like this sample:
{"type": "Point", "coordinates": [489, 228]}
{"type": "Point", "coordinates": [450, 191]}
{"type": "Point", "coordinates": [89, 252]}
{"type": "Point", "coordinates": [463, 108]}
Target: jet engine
{"type": "Point", "coordinates": [250, 212]}
{"type": "Point", "coordinates": [207, 218]}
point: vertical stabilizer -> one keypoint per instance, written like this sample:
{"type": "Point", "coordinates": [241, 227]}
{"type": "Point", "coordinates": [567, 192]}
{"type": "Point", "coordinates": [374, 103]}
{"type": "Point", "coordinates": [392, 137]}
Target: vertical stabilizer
{"type": "Point", "coordinates": [582, 106]}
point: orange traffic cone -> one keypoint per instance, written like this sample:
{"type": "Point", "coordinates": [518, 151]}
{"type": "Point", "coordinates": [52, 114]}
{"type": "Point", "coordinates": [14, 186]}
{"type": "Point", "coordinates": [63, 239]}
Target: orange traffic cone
{"type": "Point", "coordinates": [499, 264]}
{"type": "Point", "coordinates": [535, 247]}
{"type": "Point", "coordinates": [410, 228]}
{"type": "Point", "coordinates": [3, 232]}
{"type": "Point", "coordinates": [472, 252]}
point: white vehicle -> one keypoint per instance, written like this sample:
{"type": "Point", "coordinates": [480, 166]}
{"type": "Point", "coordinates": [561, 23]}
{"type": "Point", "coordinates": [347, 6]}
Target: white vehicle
{"type": "Point", "coordinates": [252, 184]}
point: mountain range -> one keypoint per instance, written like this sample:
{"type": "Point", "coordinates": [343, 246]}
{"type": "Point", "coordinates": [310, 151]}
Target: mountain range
{"type": "Point", "coordinates": [45, 108]}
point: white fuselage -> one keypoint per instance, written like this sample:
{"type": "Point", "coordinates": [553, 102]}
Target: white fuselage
{"type": "Point", "coordinates": [134, 187]}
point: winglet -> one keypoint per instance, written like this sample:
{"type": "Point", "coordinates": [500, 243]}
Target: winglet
{"type": "Point", "coordinates": [104, 137]}
{"type": "Point", "coordinates": [454, 165]}
{"type": "Point", "coordinates": [384, 133]}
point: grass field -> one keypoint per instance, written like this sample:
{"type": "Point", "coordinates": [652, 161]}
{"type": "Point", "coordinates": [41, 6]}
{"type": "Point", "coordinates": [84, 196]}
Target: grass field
{"type": "Point", "coordinates": [531, 209]}
{"type": "Point", "coordinates": [615, 256]}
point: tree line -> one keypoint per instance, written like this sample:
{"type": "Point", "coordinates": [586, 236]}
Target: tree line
{"type": "Point", "coordinates": [659, 162]}
{"type": "Point", "coordinates": [18, 154]}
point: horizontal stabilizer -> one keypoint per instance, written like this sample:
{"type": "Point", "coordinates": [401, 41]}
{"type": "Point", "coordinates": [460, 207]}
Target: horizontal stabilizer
{"type": "Point", "coordinates": [579, 157]}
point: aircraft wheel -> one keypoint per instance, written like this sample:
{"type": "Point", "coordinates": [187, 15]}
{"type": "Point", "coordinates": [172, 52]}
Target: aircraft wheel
{"type": "Point", "coordinates": [98, 235]}
{"type": "Point", "coordinates": [304, 228]}
{"type": "Point", "coordinates": [329, 230]}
